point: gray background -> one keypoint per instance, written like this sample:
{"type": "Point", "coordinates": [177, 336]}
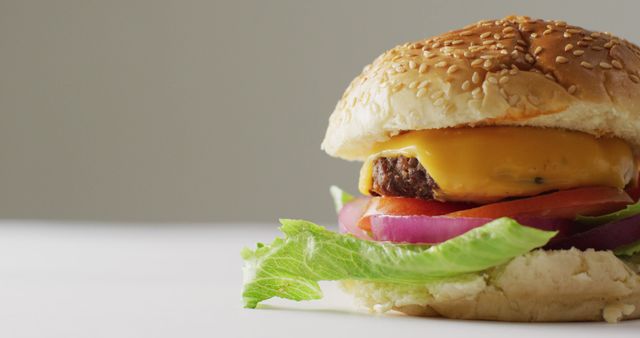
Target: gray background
{"type": "Point", "coordinates": [143, 110]}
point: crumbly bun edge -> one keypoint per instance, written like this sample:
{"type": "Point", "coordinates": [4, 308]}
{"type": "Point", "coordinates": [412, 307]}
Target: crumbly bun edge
{"type": "Point", "coordinates": [541, 286]}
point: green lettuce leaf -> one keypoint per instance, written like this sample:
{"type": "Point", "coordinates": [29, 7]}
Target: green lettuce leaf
{"type": "Point", "coordinates": [291, 267]}
{"type": "Point", "coordinates": [340, 197]}
{"type": "Point", "coordinates": [630, 210]}
{"type": "Point", "coordinates": [628, 250]}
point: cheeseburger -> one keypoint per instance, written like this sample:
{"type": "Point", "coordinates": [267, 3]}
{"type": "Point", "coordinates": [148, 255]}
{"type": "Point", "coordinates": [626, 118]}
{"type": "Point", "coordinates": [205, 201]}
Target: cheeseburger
{"type": "Point", "coordinates": [499, 181]}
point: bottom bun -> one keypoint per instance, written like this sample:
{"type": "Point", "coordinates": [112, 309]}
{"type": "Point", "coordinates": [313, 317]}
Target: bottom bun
{"type": "Point", "coordinates": [541, 286]}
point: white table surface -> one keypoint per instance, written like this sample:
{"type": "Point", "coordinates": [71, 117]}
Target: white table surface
{"type": "Point", "coordinates": [181, 280]}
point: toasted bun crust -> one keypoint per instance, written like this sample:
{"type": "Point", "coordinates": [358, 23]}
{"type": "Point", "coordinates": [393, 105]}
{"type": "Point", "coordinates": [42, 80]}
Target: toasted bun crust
{"type": "Point", "coordinates": [541, 286]}
{"type": "Point", "coordinates": [515, 71]}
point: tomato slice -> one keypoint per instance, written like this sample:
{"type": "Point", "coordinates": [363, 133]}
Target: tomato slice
{"type": "Point", "coordinates": [406, 206]}
{"type": "Point", "coordinates": [562, 204]}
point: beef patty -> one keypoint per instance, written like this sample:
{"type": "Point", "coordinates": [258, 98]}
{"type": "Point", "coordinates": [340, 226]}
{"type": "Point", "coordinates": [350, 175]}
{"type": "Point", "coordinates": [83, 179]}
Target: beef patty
{"type": "Point", "coordinates": [401, 176]}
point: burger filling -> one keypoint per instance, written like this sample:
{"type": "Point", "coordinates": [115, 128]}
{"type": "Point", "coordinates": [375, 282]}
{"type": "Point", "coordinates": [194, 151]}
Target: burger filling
{"type": "Point", "coordinates": [451, 204]}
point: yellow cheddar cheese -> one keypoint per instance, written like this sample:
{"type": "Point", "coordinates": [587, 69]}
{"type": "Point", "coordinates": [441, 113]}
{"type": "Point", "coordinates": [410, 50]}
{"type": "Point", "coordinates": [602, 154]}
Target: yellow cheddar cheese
{"type": "Point", "coordinates": [490, 163]}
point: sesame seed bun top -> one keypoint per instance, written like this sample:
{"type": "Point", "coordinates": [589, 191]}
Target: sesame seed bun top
{"type": "Point", "coordinates": [515, 71]}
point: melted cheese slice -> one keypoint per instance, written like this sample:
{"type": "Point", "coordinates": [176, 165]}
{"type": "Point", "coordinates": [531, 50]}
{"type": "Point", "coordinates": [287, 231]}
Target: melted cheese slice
{"type": "Point", "coordinates": [490, 163]}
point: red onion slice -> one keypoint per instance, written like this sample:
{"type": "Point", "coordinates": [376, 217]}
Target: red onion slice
{"type": "Point", "coordinates": [605, 237]}
{"type": "Point", "coordinates": [349, 216]}
{"type": "Point", "coordinates": [437, 229]}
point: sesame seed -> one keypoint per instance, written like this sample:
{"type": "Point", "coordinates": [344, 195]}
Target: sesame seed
{"type": "Point", "coordinates": [568, 47]}
{"type": "Point", "coordinates": [412, 64]}
{"type": "Point", "coordinates": [519, 48]}
{"type": "Point", "coordinates": [550, 76]}
{"type": "Point", "coordinates": [608, 44]}
{"type": "Point", "coordinates": [595, 35]}
{"type": "Point", "coordinates": [476, 62]}
{"type": "Point", "coordinates": [397, 87]}
{"type": "Point", "coordinates": [572, 89]}
{"type": "Point", "coordinates": [423, 84]}
{"type": "Point", "coordinates": [574, 31]}
{"type": "Point", "coordinates": [566, 35]}
{"type": "Point", "coordinates": [441, 64]}
{"type": "Point", "coordinates": [597, 48]}
{"type": "Point", "coordinates": [492, 80]}
{"type": "Point", "coordinates": [561, 59]}
{"type": "Point", "coordinates": [533, 99]}
{"type": "Point", "coordinates": [466, 85]}
{"type": "Point", "coordinates": [446, 50]}
{"type": "Point", "coordinates": [413, 84]}
{"type": "Point", "coordinates": [488, 42]}
{"type": "Point", "coordinates": [521, 42]}
{"type": "Point", "coordinates": [436, 45]}
{"type": "Point", "coordinates": [537, 50]}
{"type": "Point", "coordinates": [497, 36]}
{"type": "Point", "coordinates": [513, 71]}
{"type": "Point", "coordinates": [582, 43]}
{"type": "Point", "coordinates": [503, 80]}
{"type": "Point", "coordinates": [457, 42]}
{"type": "Point", "coordinates": [529, 58]}
{"type": "Point", "coordinates": [587, 38]}
{"type": "Point", "coordinates": [423, 68]}
{"type": "Point", "coordinates": [499, 45]}
{"type": "Point", "coordinates": [504, 52]}
{"type": "Point", "coordinates": [466, 33]}
{"type": "Point", "coordinates": [548, 31]}
{"type": "Point", "coordinates": [439, 102]}
{"type": "Point", "coordinates": [504, 72]}
{"type": "Point", "coordinates": [429, 54]}
{"type": "Point", "coordinates": [485, 35]}
{"type": "Point", "coordinates": [604, 65]}
{"type": "Point", "coordinates": [452, 69]}
{"type": "Point", "coordinates": [513, 100]}
{"type": "Point", "coordinates": [616, 64]}
{"type": "Point", "coordinates": [421, 92]}
{"type": "Point", "coordinates": [586, 64]}
{"type": "Point", "coordinates": [437, 95]}
{"type": "Point", "coordinates": [475, 78]}
{"type": "Point", "coordinates": [476, 93]}
{"type": "Point", "coordinates": [578, 52]}
{"type": "Point", "coordinates": [487, 64]}
{"type": "Point", "coordinates": [508, 29]}
{"type": "Point", "coordinates": [634, 78]}
{"type": "Point", "coordinates": [534, 35]}
{"type": "Point", "coordinates": [508, 36]}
